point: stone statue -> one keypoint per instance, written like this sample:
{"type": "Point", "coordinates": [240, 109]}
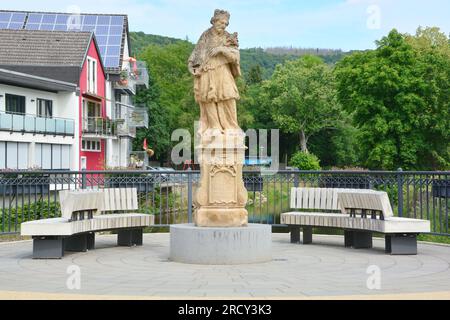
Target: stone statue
{"type": "Point", "coordinates": [220, 196]}
{"type": "Point", "coordinates": [215, 63]}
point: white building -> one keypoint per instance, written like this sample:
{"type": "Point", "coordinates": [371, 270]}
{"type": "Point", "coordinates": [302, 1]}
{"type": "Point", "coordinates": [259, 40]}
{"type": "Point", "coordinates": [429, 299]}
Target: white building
{"type": "Point", "coordinates": [123, 73]}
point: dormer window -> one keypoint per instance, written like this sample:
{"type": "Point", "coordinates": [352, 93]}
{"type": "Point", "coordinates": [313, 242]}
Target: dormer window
{"type": "Point", "coordinates": [91, 75]}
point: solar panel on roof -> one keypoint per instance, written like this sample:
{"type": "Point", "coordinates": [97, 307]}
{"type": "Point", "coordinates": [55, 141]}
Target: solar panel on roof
{"type": "Point", "coordinates": [111, 62]}
{"type": "Point", "coordinates": [62, 18]}
{"type": "Point", "coordinates": [114, 41]}
{"type": "Point", "coordinates": [5, 16]}
{"type": "Point", "coordinates": [103, 20]}
{"type": "Point", "coordinates": [102, 30]}
{"type": "Point", "coordinates": [49, 18]}
{"type": "Point", "coordinates": [34, 18]}
{"type": "Point", "coordinates": [60, 27]}
{"type": "Point", "coordinates": [90, 20]}
{"type": "Point", "coordinates": [117, 21]}
{"type": "Point", "coordinates": [89, 28]}
{"type": "Point", "coordinates": [32, 26]}
{"type": "Point", "coordinates": [47, 27]}
{"type": "Point", "coordinates": [18, 17]}
{"type": "Point", "coordinates": [112, 50]}
{"type": "Point", "coordinates": [102, 40]}
{"type": "Point", "coordinates": [116, 30]}
{"type": "Point", "coordinates": [15, 26]}
{"type": "Point", "coordinates": [108, 29]}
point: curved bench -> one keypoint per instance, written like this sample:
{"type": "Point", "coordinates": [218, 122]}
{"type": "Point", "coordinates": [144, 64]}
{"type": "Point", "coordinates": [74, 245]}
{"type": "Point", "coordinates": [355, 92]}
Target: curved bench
{"type": "Point", "coordinates": [338, 208]}
{"type": "Point", "coordinates": [85, 212]}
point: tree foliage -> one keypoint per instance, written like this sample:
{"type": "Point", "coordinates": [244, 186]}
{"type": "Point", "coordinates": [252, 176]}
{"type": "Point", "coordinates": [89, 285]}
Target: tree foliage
{"type": "Point", "coordinates": [305, 161]}
{"type": "Point", "coordinates": [302, 98]}
{"type": "Point", "coordinates": [398, 96]}
{"type": "Point", "coordinates": [157, 133]}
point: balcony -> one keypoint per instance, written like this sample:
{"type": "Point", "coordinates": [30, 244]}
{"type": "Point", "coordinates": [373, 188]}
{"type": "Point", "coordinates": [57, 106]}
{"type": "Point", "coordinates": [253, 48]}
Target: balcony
{"type": "Point", "coordinates": [129, 118]}
{"type": "Point", "coordinates": [139, 117]}
{"type": "Point", "coordinates": [129, 79]}
{"type": "Point", "coordinates": [141, 74]}
{"type": "Point", "coordinates": [125, 129]}
{"type": "Point", "coordinates": [26, 123]}
{"type": "Point", "coordinates": [96, 127]}
{"type": "Point", "coordinates": [127, 82]}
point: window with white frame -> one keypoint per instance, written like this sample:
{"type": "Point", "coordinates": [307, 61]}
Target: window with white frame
{"type": "Point", "coordinates": [52, 156]}
{"type": "Point", "coordinates": [13, 155]}
{"type": "Point", "coordinates": [91, 145]}
{"type": "Point", "coordinates": [44, 108]}
{"type": "Point", "coordinates": [91, 75]}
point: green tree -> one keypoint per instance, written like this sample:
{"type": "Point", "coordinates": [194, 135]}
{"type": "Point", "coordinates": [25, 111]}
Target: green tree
{"type": "Point", "coordinates": [305, 161]}
{"type": "Point", "coordinates": [393, 105]}
{"type": "Point", "coordinates": [302, 98]}
{"type": "Point", "coordinates": [255, 75]}
{"type": "Point", "coordinates": [175, 102]}
{"type": "Point", "coordinates": [433, 55]}
{"type": "Point", "coordinates": [157, 133]}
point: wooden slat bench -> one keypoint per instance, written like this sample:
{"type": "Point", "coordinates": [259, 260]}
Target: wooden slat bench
{"type": "Point", "coordinates": [338, 208]}
{"type": "Point", "coordinates": [84, 212]}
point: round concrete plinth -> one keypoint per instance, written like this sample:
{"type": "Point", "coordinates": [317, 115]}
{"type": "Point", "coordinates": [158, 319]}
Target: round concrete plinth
{"type": "Point", "coordinates": [203, 245]}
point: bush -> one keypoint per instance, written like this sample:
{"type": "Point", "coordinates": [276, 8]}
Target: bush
{"type": "Point", "coordinates": [305, 161]}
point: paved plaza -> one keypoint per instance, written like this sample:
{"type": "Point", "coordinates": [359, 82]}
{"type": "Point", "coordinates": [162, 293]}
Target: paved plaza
{"type": "Point", "coordinates": [324, 269]}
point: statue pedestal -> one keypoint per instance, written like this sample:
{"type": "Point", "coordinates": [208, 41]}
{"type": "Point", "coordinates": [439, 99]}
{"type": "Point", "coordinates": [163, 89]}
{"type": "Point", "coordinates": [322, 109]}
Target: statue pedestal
{"type": "Point", "coordinates": [220, 196]}
{"type": "Point", "coordinates": [221, 234]}
{"type": "Point", "coordinates": [220, 246]}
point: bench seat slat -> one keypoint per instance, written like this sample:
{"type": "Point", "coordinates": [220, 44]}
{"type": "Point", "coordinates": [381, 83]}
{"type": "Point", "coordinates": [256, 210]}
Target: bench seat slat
{"type": "Point", "coordinates": [390, 225]}
{"type": "Point", "coordinates": [61, 226]}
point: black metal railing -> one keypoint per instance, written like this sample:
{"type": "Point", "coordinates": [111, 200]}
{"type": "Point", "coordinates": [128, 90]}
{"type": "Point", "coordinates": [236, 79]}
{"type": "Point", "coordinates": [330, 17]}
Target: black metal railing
{"type": "Point", "coordinates": [26, 195]}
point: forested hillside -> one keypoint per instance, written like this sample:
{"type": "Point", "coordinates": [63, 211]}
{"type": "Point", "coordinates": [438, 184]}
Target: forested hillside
{"type": "Point", "coordinates": [267, 59]}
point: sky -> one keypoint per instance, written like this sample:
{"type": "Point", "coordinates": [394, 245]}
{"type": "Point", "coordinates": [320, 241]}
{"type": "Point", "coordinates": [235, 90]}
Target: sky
{"type": "Point", "coordinates": [335, 24]}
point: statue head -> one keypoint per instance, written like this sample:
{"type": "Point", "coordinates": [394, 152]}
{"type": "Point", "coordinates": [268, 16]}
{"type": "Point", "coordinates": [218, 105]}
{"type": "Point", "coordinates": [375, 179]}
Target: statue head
{"type": "Point", "coordinates": [220, 20]}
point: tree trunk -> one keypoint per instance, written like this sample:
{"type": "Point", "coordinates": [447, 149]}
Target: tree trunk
{"type": "Point", "coordinates": [303, 142]}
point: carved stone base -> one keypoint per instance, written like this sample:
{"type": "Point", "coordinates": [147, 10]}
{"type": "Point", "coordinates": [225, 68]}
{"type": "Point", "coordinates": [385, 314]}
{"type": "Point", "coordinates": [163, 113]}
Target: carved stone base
{"type": "Point", "coordinates": [221, 217]}
{"type": "Point", "coordinates": [220, 196]}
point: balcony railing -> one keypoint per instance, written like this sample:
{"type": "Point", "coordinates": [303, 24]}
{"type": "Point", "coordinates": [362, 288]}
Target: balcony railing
{"type": "Point", "coordinates": [125, 129]}
{"type": "Point", "coordinates": [129, 79]}
{"type": "Point", "coordinates": [141, 74]}
{"type": "Point", "coordinates": [15, 122]}
{"type": "Point", "coordinates": [99, 127]}
{"type": "Point", "coordinates": [127, 82]}
{"type": "Point", "coordinates": [129, 118]}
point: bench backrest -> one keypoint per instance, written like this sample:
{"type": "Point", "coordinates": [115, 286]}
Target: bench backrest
{"type": "Point", "coordinates": [366, 200]}
{"type": "Point", "coordinates": [316, 198]}
{"type": "Point", "coordinates": [120, 199]}
{"type": "Point", "coordinates": [326, 199]}
{"type": "Point", "coordinates": [74, 201]}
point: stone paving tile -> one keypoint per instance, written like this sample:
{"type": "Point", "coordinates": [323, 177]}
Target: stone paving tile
{"type": "Point", "coordinates": [324, 268]}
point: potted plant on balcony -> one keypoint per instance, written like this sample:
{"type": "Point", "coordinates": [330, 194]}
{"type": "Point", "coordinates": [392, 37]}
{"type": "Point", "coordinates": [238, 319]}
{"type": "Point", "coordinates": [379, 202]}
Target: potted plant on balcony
{"type": "Point", "coordinates": [123, 77]}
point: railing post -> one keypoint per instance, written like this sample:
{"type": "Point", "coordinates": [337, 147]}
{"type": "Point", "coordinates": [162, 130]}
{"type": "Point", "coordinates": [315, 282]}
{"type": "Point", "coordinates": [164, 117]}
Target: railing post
{"type": "Point", "coordinates": [296, 180]}
{"type": "Point", "coordinates": [189, 195]}
{"type": "Point", "coordinates": [83, 179]}
{"type": "Point", "coordinates": [400, 191]}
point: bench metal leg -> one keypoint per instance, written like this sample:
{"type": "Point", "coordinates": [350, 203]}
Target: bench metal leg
{"type": "Point", "coordinates": [130, 237]}
{"type": "Point", "coordinates": [295, 234]}
{"type": "Point", "coordinates": [358, 239]}
{"type": "Point", "coordinates": [362, 239]}
{"type": "Point", "coordinates": [307, 235]}
{"type": "Point", "coordinates": [77, 243]}
{"type": "Point", "coordinates": [348, 238]}
{"type": "Point", "coordinates": [91, 241]}
{"type": "Point", "coordinates": [397, 244]}
{"type": "Point", "coordinates": [48, 247]}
